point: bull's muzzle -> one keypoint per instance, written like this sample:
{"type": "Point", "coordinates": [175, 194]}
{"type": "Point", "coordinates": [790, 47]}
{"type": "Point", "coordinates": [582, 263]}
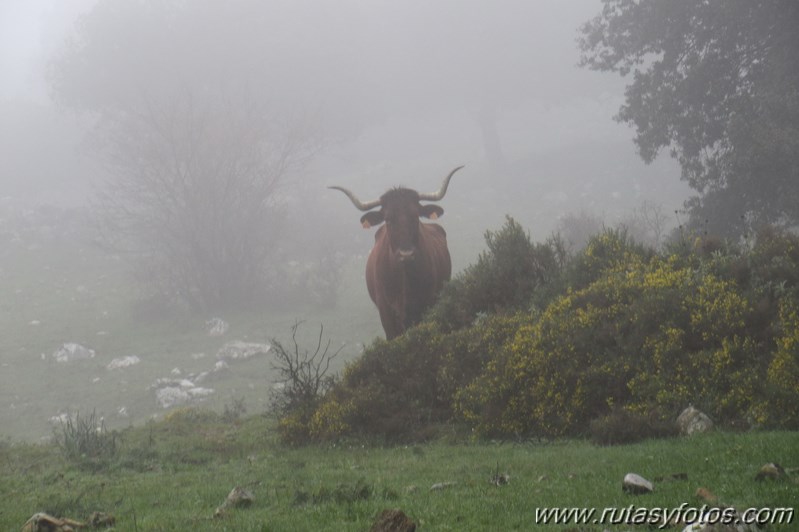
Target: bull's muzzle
{"type": "Point", "coordinates": [406, 255]}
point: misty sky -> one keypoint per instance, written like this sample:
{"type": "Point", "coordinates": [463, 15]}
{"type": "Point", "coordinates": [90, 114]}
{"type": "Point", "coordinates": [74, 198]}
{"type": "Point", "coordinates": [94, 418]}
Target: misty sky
{"type": "Point", "coordinates": [433, 69]}
{"type": "Point", "coordinates": [30, 30]}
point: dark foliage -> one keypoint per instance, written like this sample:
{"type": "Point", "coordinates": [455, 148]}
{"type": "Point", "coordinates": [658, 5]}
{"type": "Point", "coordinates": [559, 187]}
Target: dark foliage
{"type": "Point", "coordinates": [509, 276]}
{"type": "Point", "coordinates": [715, 83]}
{"type": "Point", "coordinates": [621, 427]}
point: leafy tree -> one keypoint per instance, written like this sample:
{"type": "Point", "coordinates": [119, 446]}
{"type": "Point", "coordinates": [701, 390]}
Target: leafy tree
{"type": "Point", "coordinates": [717, 83]}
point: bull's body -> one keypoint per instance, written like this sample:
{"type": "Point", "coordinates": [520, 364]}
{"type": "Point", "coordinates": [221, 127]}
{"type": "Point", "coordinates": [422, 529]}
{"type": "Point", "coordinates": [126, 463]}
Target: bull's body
{"type": "Point", "coordinates": [402, 291]}
{"type": "Point", "coordinates": [409, 262]}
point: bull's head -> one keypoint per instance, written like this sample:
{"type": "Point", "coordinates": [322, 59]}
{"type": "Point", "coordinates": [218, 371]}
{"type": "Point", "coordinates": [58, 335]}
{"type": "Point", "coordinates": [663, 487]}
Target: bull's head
{"type": "Point", "coordinates": [400, 209]}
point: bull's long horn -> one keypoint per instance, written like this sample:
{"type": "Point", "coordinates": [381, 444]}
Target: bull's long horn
{"type": "Point", "coordinates": [437, 196]}
{"type": "Point", "coordinates": [369, 205]}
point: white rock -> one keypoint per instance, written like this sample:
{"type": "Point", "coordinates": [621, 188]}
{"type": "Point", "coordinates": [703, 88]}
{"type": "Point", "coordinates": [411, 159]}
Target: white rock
{"type": "Point", "coordinates": [60, 419]}
{"type": "Point", "coordinates": [124, 362]}
{"type": "Point", "coordinates": [238, 350]}
{"type": "Point", "coordinates": [711, 525]}
{"type": "Point", "coordinates": [171, 396]}
{"type": "Point", "coordinates": [175, 392]}
{"type": "Point", "coordinates": [636, 484]}
{"type": "Point", "coordinates": [71, 351]}
{"type": "Point", "coordinates": [200, 392]}
{"type": "Point", "coordinates": [161, 382]}
{"type": "Point", "coordinates": [217, 326]}
{"type": "Point", "coordinates": [692, 421]}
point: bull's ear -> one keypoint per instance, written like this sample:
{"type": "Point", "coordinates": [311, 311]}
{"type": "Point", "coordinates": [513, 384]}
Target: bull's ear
{"type": "Point", "coordinates": [431, 211]}
{"type": "Point", "coordinates": [371, 219]}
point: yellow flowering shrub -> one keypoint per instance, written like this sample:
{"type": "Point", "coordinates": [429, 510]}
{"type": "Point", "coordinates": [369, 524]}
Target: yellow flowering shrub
{"type": "Point", "coordinates": [293, 427]}
{"type": "Point", "coordinates": [782, 406]}
{"type": "Point", "coordinates": [650, 334]}
{"type": "Point", "coordinates": [329, 421]}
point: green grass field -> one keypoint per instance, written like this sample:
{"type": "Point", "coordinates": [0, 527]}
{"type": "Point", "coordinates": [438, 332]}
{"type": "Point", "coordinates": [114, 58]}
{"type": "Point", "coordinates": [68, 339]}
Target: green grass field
{"type": "Point", "coordinates": [173, 474]}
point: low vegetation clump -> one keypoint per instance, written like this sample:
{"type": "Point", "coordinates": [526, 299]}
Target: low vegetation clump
{"type": "Point", "coordinates": [303, 379]}
{"type": "Point", "coordinates": [612, 342]}
{"type": "Point", "coordinates": [84, 440]}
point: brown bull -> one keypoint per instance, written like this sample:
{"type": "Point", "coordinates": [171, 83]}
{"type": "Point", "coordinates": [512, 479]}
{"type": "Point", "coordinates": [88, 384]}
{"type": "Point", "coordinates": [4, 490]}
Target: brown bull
{"type": "Point", "coordinates": [409, 262]}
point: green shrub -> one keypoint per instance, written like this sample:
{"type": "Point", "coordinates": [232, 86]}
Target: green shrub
{"type": "Point", "coordinates": [404, 389]}
{"type": "Point", "coordinates": [390, 392]}
{"type": "Point", "coordinates": [774, 259]}
{"type": "Point", "coordinates": [505, 279]}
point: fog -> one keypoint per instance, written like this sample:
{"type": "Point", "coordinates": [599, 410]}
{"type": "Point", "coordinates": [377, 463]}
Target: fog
{"type": "Point", "coordinates": [381, 94]}
{"type": "Point", "coordinates": [399, 92]}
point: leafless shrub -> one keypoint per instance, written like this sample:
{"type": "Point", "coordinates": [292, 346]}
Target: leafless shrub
{"type": "Point", "coordinates": [647, 224]}
{"type": "Point", "coordinates": [577, 229]}
{"type": "Point", "coordinates": [303, 377]}
{"type": "Point", "coordinates": [192, 192]}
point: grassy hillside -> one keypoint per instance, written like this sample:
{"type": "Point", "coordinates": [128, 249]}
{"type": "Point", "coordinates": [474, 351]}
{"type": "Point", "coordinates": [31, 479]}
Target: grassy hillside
{"type": "Point", "coordinates": [173, 474]}
{"type": "Point", "coordinates": [169, 469]}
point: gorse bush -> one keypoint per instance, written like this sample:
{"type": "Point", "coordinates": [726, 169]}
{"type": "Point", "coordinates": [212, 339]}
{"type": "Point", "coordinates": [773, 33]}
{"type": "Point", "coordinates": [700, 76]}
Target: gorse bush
{"type": "Point", "coordinates": [613, 344]}
{"type": "Point", "coordinates": [604, 251]}
{"type": "Point", "coordinates": [782, 378]}
{"type": "Point", "coordinates": [649, 335]}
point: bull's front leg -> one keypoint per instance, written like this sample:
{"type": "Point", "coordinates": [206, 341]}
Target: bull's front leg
{"type": "Point", "coordinates": [393, 324]}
